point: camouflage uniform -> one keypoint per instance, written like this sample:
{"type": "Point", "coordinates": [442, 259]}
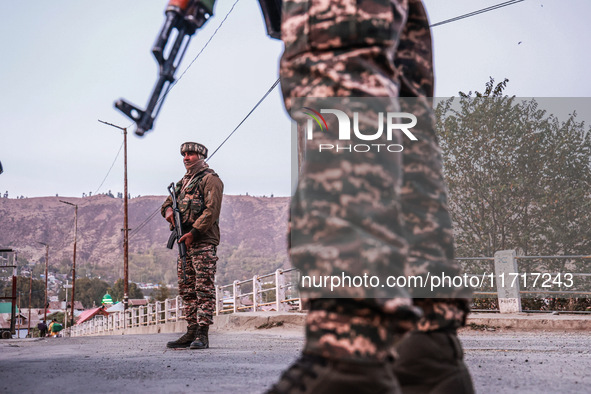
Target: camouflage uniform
{"type": "Point", "coordinates": [199, 197]}
{"type": "Point", "coordinates": [374, 48]}
{"type": "Point", "coordinates": [198, 290]}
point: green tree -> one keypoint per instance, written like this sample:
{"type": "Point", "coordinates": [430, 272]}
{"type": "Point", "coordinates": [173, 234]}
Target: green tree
{"type": "Point", "coordinates": [39, 270]}
{"type": "Point", "coordinates": [518, 177]}
{"type": "Point", "coordinates": [156, 265]}
{"type": "Point", "coordinates": [22, 288]}
{"type": "Point", "coordinates": [90, 291]}
{"type": "Point", "coordinates": [21, 262]}
{"type": "Point", "coordinates": [117, 291]}
{"type": "Point", "coordinates": [162, 292]}
{"type": "Point", "coordinates": [64, 266]}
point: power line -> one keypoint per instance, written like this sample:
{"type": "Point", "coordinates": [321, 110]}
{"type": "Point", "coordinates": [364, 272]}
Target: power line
{"type": "Point", "coordinates": [246, 117]}
{"type": "Point", "coordinates": [205, 46]}
{"type": "Point", "coordinates": [482, 11]}
{"type": "Point", "coordinates": [108, 172]}
{"type": "Point", "coordinates": [144, 223]}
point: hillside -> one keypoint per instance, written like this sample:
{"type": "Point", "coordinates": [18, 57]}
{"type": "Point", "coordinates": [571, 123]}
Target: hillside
{"type": "Point", "coordinates": [253, 236]}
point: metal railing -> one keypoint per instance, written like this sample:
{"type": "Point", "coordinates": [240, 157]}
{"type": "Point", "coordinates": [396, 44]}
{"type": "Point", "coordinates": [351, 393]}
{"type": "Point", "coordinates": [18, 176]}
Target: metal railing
{"type": "Point", "coordinates": [278, 291]}
{"type": "Point", "coordinates": [159, 312]}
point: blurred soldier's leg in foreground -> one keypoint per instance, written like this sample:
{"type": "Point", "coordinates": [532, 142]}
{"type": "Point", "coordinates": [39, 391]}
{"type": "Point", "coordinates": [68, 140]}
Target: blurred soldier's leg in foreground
{"type": "Point", "coordinates": [364, 49]}
{"type": "Point", "coordinates": [430, 358]}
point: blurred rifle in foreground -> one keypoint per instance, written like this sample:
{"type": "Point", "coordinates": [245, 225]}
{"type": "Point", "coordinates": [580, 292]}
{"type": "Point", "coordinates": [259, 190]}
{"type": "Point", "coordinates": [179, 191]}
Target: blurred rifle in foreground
{"type": "Point", "coordinates": [184, 16]}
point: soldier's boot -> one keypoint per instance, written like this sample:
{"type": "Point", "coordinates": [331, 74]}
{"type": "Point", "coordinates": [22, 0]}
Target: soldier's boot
{"type": "Point", "coordinates": [185, 341]}
{"type": "Point", "coordinates": [432, 362]}
{"type": "Point", "coordinates": [312, 374]}
{"type": "Point", "coordinates": [202, 339]}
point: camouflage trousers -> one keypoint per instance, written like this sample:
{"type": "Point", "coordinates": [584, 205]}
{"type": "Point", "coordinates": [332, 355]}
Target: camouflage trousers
{"type": "Point", "coordinates": [198, 290]}
{"type": "Point", "coordinates": [386, 213]}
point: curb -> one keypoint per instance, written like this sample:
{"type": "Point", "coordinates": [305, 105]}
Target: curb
{"type": "Point", "coordinates": [248, 321]}
{"type": "Point", "coordinates": [260, 321]}
{"type": "Point", "coordinates": [529, 321]}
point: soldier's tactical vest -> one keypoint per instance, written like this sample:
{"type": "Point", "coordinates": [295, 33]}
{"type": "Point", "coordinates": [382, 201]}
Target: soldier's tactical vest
{"type": "Point", "coordinates": [191, 201]}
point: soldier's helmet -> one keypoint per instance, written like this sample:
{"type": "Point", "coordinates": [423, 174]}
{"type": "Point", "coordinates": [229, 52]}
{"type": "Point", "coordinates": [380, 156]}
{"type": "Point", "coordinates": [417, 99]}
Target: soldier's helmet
{"type": "Point", "coordinates": [194, 147]}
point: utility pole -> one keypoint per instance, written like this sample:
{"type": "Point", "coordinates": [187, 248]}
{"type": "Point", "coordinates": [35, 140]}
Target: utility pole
{"type": "Point", "coordinates": [30, 296]}
{"type": "Point", "coordinates": [125, 221]}
{"type": "Point", "coordinates": [67, 286]}
{"type": "Point", "coordinates": [125, 227]}
{"type": "Point", "coordinates": [46, 266]}
{"type": "Point", "coordinates": [74, 263]}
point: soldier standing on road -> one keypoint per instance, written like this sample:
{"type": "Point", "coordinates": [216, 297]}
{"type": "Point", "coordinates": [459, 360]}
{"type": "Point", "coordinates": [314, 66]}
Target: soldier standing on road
{"type": "Point", "coordinates": [199, 195]}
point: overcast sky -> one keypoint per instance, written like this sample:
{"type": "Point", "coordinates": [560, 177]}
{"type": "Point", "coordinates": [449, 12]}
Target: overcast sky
{"type": "Point", "coordinates": [64, 63]}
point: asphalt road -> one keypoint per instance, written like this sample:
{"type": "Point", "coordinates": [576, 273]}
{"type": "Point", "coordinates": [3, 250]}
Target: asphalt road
{"type": "Point", "coordinates": [248, 362]}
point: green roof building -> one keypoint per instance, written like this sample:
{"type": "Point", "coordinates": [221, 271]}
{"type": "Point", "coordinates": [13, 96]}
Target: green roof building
{"type": "Point", "coordinates": [107, 299]}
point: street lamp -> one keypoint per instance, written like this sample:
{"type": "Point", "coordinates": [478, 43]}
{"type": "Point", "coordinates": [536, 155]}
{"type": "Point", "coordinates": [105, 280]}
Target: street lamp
{"type": "Point", "coordinates": [46, 266]}
{"type": "Point", "coordinates": [74, 262]}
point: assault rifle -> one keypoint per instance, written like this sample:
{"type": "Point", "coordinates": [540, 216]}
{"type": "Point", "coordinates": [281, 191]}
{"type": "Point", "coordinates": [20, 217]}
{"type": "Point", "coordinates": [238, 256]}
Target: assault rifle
{"type": "Point", "coordinates": [177, 231]}
{"type": "Point", "coordinates": [185, 16]}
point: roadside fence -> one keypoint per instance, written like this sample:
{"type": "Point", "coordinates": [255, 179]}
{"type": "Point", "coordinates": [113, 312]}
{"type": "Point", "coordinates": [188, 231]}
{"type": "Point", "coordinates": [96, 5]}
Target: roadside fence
{"type": "Point", "coordinates": [506, 277]}
{"type": "Point", "coordinates": [271, 292]}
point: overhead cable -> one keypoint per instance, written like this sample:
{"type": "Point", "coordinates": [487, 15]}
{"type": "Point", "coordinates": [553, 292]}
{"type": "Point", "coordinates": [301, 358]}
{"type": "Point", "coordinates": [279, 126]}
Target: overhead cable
{"type": "Point", "coordinates": [482, 11]}
{"type": "Point", "coordinates": [108, 172]}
